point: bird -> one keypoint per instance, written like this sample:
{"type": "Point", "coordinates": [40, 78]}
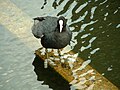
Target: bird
{"type": "Point", "coordinates": [53, 32]}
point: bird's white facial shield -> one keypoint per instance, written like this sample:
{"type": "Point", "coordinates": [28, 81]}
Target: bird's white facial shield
{"type": "Point", "coordinates": [61, 25]}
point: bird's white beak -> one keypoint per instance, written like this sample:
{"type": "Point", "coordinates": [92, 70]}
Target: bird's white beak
{"type": "Point", "coordinates": [61, 25]}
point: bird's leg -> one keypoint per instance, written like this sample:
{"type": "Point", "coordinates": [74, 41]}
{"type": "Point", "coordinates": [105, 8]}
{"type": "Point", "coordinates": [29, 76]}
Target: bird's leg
{"type": "Point", "coordinates": [59, 53]}
{"type": "Point", "coordinates": [46, 51]}
{"type": "Point", "coordinates": [62, 61]}
{"type": "Point", "coordinates": [46, 60]}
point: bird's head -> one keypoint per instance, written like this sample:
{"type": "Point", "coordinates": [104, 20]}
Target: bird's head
{"type": "Point", "coordinates": [61, 23]}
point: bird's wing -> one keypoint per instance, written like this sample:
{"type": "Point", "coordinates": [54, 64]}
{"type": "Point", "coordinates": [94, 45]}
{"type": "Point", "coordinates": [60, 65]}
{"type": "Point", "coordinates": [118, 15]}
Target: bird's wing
{"type": "Point", "coordinates": [45, 26]}
{"type": "Point", "coordinates": [37, 30]}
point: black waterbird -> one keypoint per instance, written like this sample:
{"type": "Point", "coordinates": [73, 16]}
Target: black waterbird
{"type": "Point", "coordinates": [53, 31]}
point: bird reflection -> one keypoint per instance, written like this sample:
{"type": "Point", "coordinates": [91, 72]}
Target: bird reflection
{"type": "Point", "coordinates": [49, 76]}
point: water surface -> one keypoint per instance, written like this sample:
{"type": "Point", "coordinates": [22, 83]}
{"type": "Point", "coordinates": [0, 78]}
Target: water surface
{"type": "Point", "coordinates": [96, 28]}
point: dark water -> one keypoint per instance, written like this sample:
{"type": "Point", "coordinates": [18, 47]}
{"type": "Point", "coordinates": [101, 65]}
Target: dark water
{"type": "Point", "coordinates": [96, 28]}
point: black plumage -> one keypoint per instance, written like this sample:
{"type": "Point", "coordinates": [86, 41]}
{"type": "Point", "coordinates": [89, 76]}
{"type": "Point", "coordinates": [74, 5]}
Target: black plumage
{"type": "Point", "coordinates": [48, 29]}
{"type": "Point", "coordinates": [54, 33]}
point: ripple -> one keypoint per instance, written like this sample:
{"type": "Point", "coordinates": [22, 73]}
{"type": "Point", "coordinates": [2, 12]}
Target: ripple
{"type": "Point", "coordinates": [115, 11]}
{"type": "Point", "coordinates": [81, 7]}
{"type": "Point", "coordinates": [92, 12]}
{"type": "Point", "coordinates": [118, 26]}
{"type": "Point", "coordinates": [87, 24]}
{"type": "Point", "coordinates": [109, 24]}
{"type": "Point", "coordinates": [83, 47]}
{"type": "Point", "coordinates": [100, 26]}
{"type": "Point", "coordinates": [91, 29]}
{"type": "Point", "coordinates": [1, 68]}
{"type": "Point", "coordinates": [107, 6]}
{"type": "Point", "coordinates": [88, 72]}
{"type": "Point", "coordinates": [84, 64]}
{"type": "Point", "coordinates": [92, 39]}
{"type": "Point", "coordinates": [68, 13]}
{"type": "Point", "coordinates": [106, 14]}
{"type": "Point", "coordinates": [85, 35]}
{"type": "Point", "coordinates": [80, 18]}
{"type": "Point", "coordinates": [103, 2]}
{"type": "Point", "coordinates": [10, 71]}
{"type": "Point", "coordinates": [94, 51]}
{"type": "Point", "coordinates": [89, 45]}
{"type": "Point", "coordinates": [110, 68]}
{"type": "Point", "coordinates": [4, 74]}
{"type": "Point", "coordinates": [96, 0]}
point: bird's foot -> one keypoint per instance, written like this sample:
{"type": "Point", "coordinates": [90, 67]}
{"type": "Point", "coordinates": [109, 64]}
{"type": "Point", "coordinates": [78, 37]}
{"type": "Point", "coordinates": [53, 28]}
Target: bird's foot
{"type": "Point", "coordinates": [65, 65]}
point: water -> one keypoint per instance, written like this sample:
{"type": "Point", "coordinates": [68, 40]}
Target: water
{"type": "Point", "coordinates": [94, 23]}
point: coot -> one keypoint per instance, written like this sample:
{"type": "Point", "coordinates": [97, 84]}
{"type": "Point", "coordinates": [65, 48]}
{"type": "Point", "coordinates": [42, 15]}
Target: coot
{"type": "Point", "coordinates": [53, 31]}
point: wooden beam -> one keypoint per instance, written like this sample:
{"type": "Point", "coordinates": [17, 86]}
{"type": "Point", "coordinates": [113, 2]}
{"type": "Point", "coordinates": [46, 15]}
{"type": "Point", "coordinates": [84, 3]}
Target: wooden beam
{"type": "Point", "coordinates": [80, 78]}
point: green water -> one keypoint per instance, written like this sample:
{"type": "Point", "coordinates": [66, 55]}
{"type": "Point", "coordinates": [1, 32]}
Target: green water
{"type": "Point", "coordinates": [106, 45]}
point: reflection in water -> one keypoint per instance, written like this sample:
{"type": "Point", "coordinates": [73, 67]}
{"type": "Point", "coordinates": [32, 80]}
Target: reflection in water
{"type": "Point", "coordinates": [49, 76]}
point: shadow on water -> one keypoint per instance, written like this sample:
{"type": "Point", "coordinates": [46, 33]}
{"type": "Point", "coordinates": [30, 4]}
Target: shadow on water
{"type": "Point", "coordinates": [50, 77]}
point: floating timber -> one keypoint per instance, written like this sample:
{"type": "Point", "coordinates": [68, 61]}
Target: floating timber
{"type": "Point", "coordinates": [77, 72]}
